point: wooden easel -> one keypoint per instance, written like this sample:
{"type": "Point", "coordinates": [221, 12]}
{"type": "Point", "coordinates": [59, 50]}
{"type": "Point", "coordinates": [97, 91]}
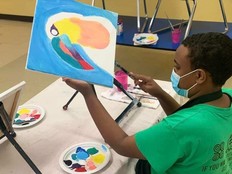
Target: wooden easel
{"type": "Point", "coordinates": [10, 99]}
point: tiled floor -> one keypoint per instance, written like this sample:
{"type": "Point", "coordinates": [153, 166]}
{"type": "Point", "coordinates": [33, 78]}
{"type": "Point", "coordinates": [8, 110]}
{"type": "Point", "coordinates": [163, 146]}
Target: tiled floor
{"type": "Point", "coordinates": [14, 41]}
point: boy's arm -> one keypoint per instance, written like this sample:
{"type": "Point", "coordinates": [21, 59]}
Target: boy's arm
{"type": "Point", "coordinates": [112, 133]}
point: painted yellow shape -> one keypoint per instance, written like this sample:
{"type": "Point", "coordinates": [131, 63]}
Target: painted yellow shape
{"type": "Point", "coordinates": [99, 158]}
{"type": "Point", "coordinates": [24, 111]}
{"type": "Point", "coordinates": [150, 38]}
{"type": "Point", "coordinates": [67, 27]}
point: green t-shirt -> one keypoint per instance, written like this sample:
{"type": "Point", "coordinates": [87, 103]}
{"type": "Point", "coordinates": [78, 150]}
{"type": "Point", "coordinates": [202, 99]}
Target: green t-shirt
{"type": "Point", "coordinates": [196, 140]}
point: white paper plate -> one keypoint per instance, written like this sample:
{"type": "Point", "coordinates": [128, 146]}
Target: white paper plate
{"type": "Point", "coordinates": [28, 115]}
{"type": "Point", "coordinates": [84, 158]}
{"type": "Point", "coordinates": [145, 38]}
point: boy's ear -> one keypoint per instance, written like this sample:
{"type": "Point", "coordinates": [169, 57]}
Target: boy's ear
{"type": "Point", "coordinates": [201, 76]}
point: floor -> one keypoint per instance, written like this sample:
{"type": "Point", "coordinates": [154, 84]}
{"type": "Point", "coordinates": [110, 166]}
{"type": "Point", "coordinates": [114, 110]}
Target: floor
{"type": "Point", "coordinates": [14, 43]}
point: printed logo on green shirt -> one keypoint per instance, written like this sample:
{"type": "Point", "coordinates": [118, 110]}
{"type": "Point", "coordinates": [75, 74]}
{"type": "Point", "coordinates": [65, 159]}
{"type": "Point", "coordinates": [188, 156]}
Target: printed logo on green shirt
{"type": "Point", "coordinates": [218, 151]}
{"type": "Point", "coordinates": [222, 158]}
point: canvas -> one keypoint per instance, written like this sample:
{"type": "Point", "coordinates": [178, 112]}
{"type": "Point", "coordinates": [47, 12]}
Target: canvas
{"type": "Point", "coordinates": [75, 40]}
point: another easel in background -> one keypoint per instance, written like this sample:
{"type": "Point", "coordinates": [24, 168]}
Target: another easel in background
{"type": "Point", "coordinates": [8, 106]}
{"type": "Point", "coordinates": [134, 101]}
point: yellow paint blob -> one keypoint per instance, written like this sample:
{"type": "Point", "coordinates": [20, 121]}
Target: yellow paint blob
{"type": "Point", "coordinates": [151, 38]}
{"type": "Point", "coordinates": [24, 111]}
{"type": "Point", "coordinates": [99, 158]}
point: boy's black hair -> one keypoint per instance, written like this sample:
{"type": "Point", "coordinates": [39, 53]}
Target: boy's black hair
{"type": "Point", "coordinates": [212, 52]}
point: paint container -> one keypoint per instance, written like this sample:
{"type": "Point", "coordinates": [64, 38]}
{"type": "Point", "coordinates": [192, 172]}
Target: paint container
{"type": "Point", "coordinates": [120, 27]}
{"type": "Point", "coordinates": [122, 77]}
{"type": "Point", "coordinates": [176, 35]}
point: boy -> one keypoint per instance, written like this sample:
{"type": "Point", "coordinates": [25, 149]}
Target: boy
{"type": "Point", "coordinates": [195, 137]}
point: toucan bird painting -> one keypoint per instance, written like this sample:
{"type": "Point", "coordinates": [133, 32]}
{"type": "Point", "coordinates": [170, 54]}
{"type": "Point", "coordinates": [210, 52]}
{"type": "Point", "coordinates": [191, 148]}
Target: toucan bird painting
{"type": "Point", "coordinates": [75, 40]}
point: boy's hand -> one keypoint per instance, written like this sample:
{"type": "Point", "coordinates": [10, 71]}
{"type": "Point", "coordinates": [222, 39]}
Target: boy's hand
{"type": "Point", "coordinates": [147, 84]}
{"type": "Point", "coordinates": [81, 86]}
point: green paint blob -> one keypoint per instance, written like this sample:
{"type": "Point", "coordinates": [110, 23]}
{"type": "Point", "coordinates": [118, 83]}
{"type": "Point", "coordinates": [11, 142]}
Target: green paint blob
{"type": "Point", "coordinates": [92, 151]}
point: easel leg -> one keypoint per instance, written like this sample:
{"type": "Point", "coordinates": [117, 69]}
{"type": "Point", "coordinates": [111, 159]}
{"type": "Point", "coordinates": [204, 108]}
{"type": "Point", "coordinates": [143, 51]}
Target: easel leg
{"type": "Point", "coordinates": [7, 119]}
{"type": "Point", "coordinates": [119, 85]}
{"type": "Point", "coordinates": [134, 101]}
{"type": "Point", "coordinates": [65, 107]}
{"type": "Point", "coordinates": [22, 153]}
{"type": "Point", "coordinates": [15, 144]}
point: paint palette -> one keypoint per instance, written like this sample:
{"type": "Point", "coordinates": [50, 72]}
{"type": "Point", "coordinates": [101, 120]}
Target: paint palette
{"type": "Point", "coordinates": [85, 158]}
{"type": "Point", "coordinates": [145, 38]}
{"type": "Point", "coordinates": [28, 115]}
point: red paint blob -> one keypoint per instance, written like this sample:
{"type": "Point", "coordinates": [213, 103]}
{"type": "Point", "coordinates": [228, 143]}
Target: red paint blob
{"type": "Point", "coordinates": [36, 116]}
{"type": "Point", "coordinates": [81, 169]}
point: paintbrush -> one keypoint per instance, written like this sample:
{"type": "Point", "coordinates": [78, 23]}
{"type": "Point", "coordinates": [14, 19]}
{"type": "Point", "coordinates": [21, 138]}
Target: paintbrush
{"type": "Point", "coordinates": [123, 69]}
{"type": "Point", "coordinates": [169, 21]}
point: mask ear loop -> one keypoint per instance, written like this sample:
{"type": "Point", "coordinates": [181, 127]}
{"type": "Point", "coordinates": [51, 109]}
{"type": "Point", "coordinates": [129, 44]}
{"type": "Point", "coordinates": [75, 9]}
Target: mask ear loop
{"type": "Point", "coordinates": [192, 87]}
{"type": "Point", "coordinates": [189, 73]}
{"type": "Point", "coordinates": [194, 84]}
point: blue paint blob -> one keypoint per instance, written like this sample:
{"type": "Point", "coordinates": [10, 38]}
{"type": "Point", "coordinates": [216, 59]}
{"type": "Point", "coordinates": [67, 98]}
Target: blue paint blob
{"type": "Point", "coordinates": [82, 155]}
{"type": "Point", "coordinates": [74, 156]}
{"type": "Point", "coordinates": [80, 149]}
{"type": "Point", "coordinates": [18, 121]}
{"type": "Point", "coordinates": [104, 148]}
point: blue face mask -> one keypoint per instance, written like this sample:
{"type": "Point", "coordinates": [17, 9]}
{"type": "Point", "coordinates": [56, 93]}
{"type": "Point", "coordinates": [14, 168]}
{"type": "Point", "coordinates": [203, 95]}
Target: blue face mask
{"type": "Point", "coordinates": [175, 79]}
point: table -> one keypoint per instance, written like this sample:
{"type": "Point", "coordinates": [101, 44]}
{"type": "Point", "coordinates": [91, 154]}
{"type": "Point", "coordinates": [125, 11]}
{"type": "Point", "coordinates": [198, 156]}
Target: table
{"type": "Point", "coordinates": [164, 42]}
{"type": "Point", "coordinates": [45, 141]}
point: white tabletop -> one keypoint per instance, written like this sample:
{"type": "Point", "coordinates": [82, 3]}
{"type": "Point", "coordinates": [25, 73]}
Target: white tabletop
{"type": "Point", "coordinates": [45, 141]}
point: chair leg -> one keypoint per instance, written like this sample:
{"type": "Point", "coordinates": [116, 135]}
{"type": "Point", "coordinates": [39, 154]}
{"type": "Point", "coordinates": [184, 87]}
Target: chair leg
{"type": "Point", "coordinates": [103, 4]}
{"type": "Point", "coordinates": [141, 30]}
{"type": "Point", "coordinates": [188, 7]}
{"type": "Point", "coordinates": [193, 12]}
{"type": "Point", "coordinates": [191, 15]}
{"type": "Point", "coordinates": [138, 15]}
{"type": "Point", "coordinates": [190, 19]}
{"type": "Point", "coordinates": [93, 2]}
{"type": "Point", "coordinates": [154, 15]}
{"type": "Point", "coordinates": [224, 17]}
{"type": "Point", "coordinates": [146, 16]}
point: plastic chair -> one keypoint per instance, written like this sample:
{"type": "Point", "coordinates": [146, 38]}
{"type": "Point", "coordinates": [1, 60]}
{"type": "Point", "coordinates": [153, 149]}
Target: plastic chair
{"type": "Point", "coordinates": [193, 12]}
{"type": "Point", "coordinates": [191, 16]}
{"type": "Point", "coordinates": [190, 13]}
{"type": "Point", "coordinates": [137, 11]}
